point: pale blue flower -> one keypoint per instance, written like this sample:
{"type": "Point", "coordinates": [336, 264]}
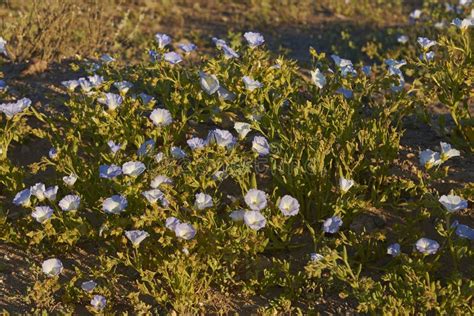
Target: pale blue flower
{"type": "Point", "coordinates": [52, 267]}
{"type": "Point", "coordinates": [426, 43]}
{"type": "Point", "coordinates": [219, 42]}
{"type": "Point", "coordinates": [146, 99]}
{"type": "Point", "coordinates": [345, 92]}
{"type": "Point", "coordinates": [114, 204]}
{"type": "Point", "coordinates": [146, 148]}
{"type": "Point", "coordinates": [256, 199]}
{"type": "Point", "coordinates": [318, 78]}
{"type": "Point", "coordinates": [315, 257]}
{"type": "Point", "coordinates": [123, 86]}
{"type": "Point", "coordinates": [225, 94]}
{"type": "Point", "coordinates": [222, 138]}
{"type": "Point", "coordinates": [53, 153]}
{"type": "Point", "coordinates": [173, 58]}
{"type": "Point", "coordinates": [11, 109]}
{"type": "Point", "coordinates": [367, 70]}
{"type": "Point", "coordinates": [51, 193]}
{"type": "Point", "coordinates": [185, 231]}
{"type": "Point", "coordinates": [38, 190]}
{"type": "Point", "coordinates": [42, 213]}
{"type": "Point", "coordinates": [70, 180]}
{"type": "Point", "coordinates": [106, 58]}
{"type": "Point", "coordinates": [255, 220]}
{"type": "Point", "coordinates": [209, 83]}
{"type": "Point", "coordinates": [416, 14]}
{"type": "Point", "coordinates": [448, 152]}
{"type": "Point", "coordinates": [427, 246]}
{"type": "Point", "coordinates": [85, 84]}
{"type": "Point", "coordinates": [22, 198]}
{"type": "Point", "coordinates": [3, 48]}
{"type": "Point", "coordinates": [464, 231]}
{"type": "Point", "coordinates": [242, 128]}
{"type": "Point", "coordinates": [3, 85]}
{"type": "Point", "coordinates": [251, 84]}
{"type": "Point", "coordinates": [136, 236]}
{"type": "Point", "coordinates": [133, 168]}
{"type": "Point", "coordinates": [254, 39]}
{"type": "Point", "coordinates": [172, 222]}
{"type": "Point", "coordinates": [345, 184]}
{"type": "Point", "coordinates": [96, 80]}
{"type": "Point", "coordinates": [237, 215]}
{"type": "Point", "coordinates": [453, 203]}
{"type": "Point", "coordinates": [394, 250]}
{"type": "Point", "coordinates": [289, 206]}
{"type": "Point", "coordinates": [203, 201]}
{"type": "Point", "coordinates": [187, 47]}
{"type": "Point", "coordinates": [161, 117]}
{"type": "Point", "coordinates": [332, 225]}
{"type": "Point", "coordinates": [109, 172]}
{"type": "Point", "coordinates": [159, 180]}
{"type": "Point", "coordinates": [88, 286]}
{"type": "Point", "coordinates": [153, 195]}
{"type": "Point", "coordinates": [428, 56]}
{"type": "Point", "coordinates": [70, 203]}
{"type": "Point", "coordinates": [345, 65]}
{"type": "Point", "coordinates": [196, 143]}
{"type": "Point", "coordinates": [70, 84]}
{"type": "Point", "coordinates": [177, 152]}
{"type": "Point", "coordinates": [162, 39]}
{"type": "Point", "coordinates": [429, 158]}
{"type": "Point", "coordinates": [229, 52]}
{"type": "Point", "coordinates": [98, 302]}
{"type": "Point", "coordinates": [261, 146]}
{"type": "Point", "coordinates": [113, 146]}
{"type": "Point", "coordinates": [154, 56]}
{"type": "Point", "coordinates": [111, 100]}
{"type": "Point", "coordinates": [402, 39]}
{"type": "Point", "coordinates": [463, 24]}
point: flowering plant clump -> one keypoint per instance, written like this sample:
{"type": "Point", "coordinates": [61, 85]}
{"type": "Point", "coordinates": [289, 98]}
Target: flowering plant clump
{"type": "Point", "coordinates": [187, 181]}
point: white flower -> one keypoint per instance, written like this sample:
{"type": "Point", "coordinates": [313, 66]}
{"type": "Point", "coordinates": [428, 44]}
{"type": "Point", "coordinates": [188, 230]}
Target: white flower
{"type": "Point", "coordinates": [161, 117]}
{"type": "Point", "coordinates": [133, 168]}
{"type": "Point", "coordinates": [159, 157]}
{"type": "Point", "coordinates": [242, 128]}
{"type": "Point", "coordinates": [114, 204]}
{"type": "Point", "coordinates": [254, 39]}
{"type": "Point", "coordinates": [88, 286]}
{"type": "Point", "coordinates": [196, 143]}
{"type": "Point", "coordinates": [289, 206]}
{"type": "Point", "coordinates": [70, 203]}
{"type": "Point", "coordinates": [222, 138]}
{"type": "Point", "coordinates": [22, 198]}
{"type": "Point", "coordinates": [332, 225]}
{"type": "Point", "coordinates": [185, 231]}
{"type": "Point", "coordinates": [203, 201]}
{"type": "Point", "coordinates": [463, 24]}
{"type": "Point", "coordinates": [256, 199]}
{"type": "Point", "coordinates": [172, 222]}
{"type": "Point", "coordinates": [42, 213]}
{"type": "Point", "coordinates": [85, 84]}
{"type": "Point", "coordinates": [96, 80]}
{"type": "Point", "coordinates": [315, 257]}
{"type": "Point", "coordinates": [70, 180]}
{"type": "Point", "coordinates": [427, 246]}
{"type": "Point", "coordinates": [225, 94]}
{"type": "Point", "coordinates": [393, 250]}
{"type": "Point", "coordinates": [113, 146]}
{"type": "Point", "coordinates": [415, 15]}
{"type": "Point", "coordinates": [38, 190]}
{"type": "Point", "coordinates": [260, 146]}
{"type": "Point", "coordinates": [237, 216]}
{"type": "Point", "coordinates": [453, 203]}
{"type": "Point", "coordinates": [70, 84]}
{"type": "Point", "coordinates": [153, 196]}
{"type": "Point", "coordinates": [448, 152]}
{"type": "Point", "coordinates": [51, 193]}
{"type": "Point", "coordinates": [345, 65]}
{"type": "Point", "coordinates": [3, 44]}
{"type": "Point", "coordinates": [318, 78]}
{"type": "Point", "coordinates": [136, 236]}
{"type": "Point", "coordinates": [106, 58]}
{"type": "Point", "coordinates": [98, 302]}
{"type": "Point", "coordinates": [52, 267]}
{"type": "Point", "coordinates": [426, 43]}
{"type": "Point", "coordinates": [345, 184]}
{"type": "Point", "coordinates": [11, 109]}
{"type": "Point", "coordinates": [251, 84]}
{"type": "Point", "coordinates": [159, 180]}
{"type": "Point", "coordinates": [255, 220]}
{"type": "Point", "coordinates": [162, 39]}
{"type": "Point", "coordinates": [429, 158]}
{"type": "Point", "coordinates": [173, 58]}
{"type": "Point", "coordinates": [209, 83]}
{"type": "Point", "coordinates": [111, 100]}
